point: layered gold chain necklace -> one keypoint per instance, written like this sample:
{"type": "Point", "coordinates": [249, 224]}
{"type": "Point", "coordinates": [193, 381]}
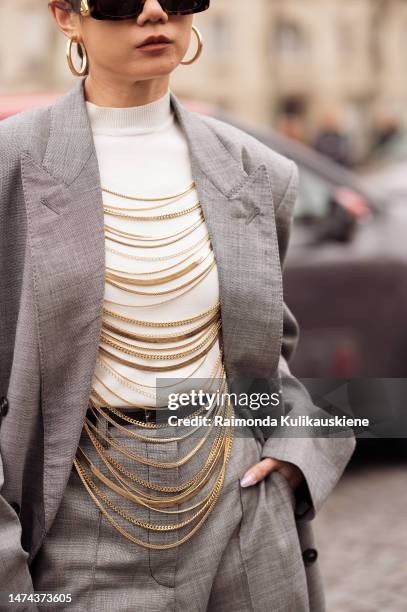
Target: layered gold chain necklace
{"type": "Point", "coordinates": [129, 343]}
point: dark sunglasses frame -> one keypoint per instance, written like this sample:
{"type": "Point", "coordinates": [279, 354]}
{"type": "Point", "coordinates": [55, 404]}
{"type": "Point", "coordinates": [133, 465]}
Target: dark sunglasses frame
{"type": "Point", "coordinates": [95, 8]}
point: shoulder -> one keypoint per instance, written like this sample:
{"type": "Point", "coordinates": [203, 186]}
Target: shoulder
{"type": "Point", "coordinates": [250, 152]}
{"type": "Point", "coordinates": [25, 131]}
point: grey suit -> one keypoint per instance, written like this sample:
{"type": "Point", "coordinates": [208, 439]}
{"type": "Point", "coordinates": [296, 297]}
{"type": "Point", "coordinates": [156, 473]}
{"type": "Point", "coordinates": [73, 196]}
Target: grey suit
{"type": "Point", "coordinates": [52, 283]}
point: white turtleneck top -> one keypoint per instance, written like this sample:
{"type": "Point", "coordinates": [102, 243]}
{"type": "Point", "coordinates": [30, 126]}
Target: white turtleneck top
{"type": "Point", "coordinates": [142, 152]}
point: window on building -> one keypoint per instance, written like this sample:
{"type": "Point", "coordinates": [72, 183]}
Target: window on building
{"type": "Point", "coordinates": [34, 45]}
{"type": "Point", "coordinates": [219, 35]}
{"type": "Point", "coordinates": [289, 40]}
{"type": "Point", "coordinates": [345, 34]}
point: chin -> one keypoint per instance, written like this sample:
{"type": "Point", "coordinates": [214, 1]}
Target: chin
{"type": "Point", "coordinates": [162, 68]}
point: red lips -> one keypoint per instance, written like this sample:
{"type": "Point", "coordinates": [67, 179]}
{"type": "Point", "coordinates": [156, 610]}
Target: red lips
{"type": "Point", "coordinates": [154, 39]}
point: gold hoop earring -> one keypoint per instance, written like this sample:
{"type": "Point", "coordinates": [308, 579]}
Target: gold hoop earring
{"type": "Point", "coordinates": [199, 49]}
{"type": "Point", "coordinates": [83, 71]}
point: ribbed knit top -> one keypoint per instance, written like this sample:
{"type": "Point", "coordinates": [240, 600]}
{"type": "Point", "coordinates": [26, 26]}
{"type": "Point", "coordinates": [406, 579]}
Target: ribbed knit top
{"type": "Point", "coordinates": [142, 152]}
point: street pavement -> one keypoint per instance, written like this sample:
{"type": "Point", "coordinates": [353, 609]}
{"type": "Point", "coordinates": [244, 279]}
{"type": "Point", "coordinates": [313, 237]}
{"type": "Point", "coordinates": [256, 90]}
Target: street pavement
{"type": "Point", "coordinates": [361, 536]}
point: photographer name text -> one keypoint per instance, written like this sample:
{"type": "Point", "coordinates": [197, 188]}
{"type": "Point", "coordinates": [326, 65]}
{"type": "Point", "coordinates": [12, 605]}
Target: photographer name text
{"type": "Point", "coordinates": [268, 421]}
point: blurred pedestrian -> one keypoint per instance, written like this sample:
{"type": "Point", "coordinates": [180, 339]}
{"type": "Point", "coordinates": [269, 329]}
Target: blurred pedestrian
{"type": "Point", "coordinates": [332, 141]}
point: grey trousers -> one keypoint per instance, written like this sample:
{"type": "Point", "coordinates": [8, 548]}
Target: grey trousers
{"type": "Point", "coordinates": [246, 556]}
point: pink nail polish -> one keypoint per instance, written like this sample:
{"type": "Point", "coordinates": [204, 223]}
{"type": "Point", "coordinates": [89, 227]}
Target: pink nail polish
{"type": "Point", "coordinates": [248, 480]}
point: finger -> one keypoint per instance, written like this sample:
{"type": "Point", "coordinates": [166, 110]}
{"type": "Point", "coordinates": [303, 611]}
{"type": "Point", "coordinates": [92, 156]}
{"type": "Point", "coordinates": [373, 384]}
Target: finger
{"type": "Point", "coordinates": [258, 471]}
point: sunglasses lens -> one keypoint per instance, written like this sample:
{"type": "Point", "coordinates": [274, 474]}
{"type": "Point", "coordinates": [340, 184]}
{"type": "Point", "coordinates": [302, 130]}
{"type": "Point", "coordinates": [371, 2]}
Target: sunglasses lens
{"type": "Point", "coordinates": [119, 8]}
{"type": "Point", "coordinates": [131, 8]}
{"type": "Point", "coordinates": [181, 6]}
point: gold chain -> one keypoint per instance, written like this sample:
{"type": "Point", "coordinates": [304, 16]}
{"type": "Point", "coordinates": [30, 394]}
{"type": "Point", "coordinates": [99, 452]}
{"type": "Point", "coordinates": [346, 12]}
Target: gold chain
{"type": "Point", "coordinates": [173, 215]}
{"type": "Point", "coordinates": [139, 436]}
{"type": "Point", "coordinates": [140, 387]}
{"type": "Point", "coordinates": [150, 368]}
{"type": "Point", "coordinates": [214, 375]}
{"type": "Point", "coordinates": [173, 200]}
{"type": "Point", "coordinates": [163, 279]}
{"type": "Point", "coordinates": [176, 323]}
{"type": "Point", "coordinates": [171, 299]}
{"type": "Point", "coordinates": [164, 257]}
{"type": "Point", "coordinates": [204, 472]}
{"type": "Point", "coordinates": [213, 333]}
{"type": "Point", "coordinates": [152, 349]}
{"type": "Point", "coordinates": [154, 338]}
{"type": "Point", "coordinates": [143, 199]}
{"type": "Point", "coordinates": [174, 265]}
{"type": "Point", "coordinates": [178, 288]}
{"type": "Point", "coordinates": [191, 345]}
{"type": "Point", "coordinates": [211, 460]}
{"type": "Point", "coordinates": [157, 503]}
{"type": "Point", "coordinates": [176, 237]}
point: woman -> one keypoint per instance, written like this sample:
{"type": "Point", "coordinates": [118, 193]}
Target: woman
{"type": "Point", "coordinates": [143, 256]}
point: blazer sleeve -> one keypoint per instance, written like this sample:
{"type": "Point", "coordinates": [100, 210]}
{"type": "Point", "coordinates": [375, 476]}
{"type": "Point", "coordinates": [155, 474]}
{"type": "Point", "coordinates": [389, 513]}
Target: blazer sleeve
{"type": "Point", "coordinates": [322, 460]}
{"type": "Point", "coordinates": [14, 571]}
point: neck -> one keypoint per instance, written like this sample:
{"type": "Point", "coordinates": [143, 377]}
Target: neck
{"type": "Point", "coordinates": [103, 92]}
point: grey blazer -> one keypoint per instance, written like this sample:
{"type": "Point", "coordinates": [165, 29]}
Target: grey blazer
{"type": "Point", "coordinates": [52, 262]}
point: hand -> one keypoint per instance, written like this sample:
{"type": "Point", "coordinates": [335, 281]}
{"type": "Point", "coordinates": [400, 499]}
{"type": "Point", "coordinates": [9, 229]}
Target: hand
{"type": "Point", "coordinates": [259, 471]}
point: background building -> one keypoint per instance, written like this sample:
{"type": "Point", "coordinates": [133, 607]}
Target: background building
{"type": "Point", "coordinates": [298, 65]}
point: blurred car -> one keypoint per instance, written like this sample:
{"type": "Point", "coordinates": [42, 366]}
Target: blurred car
{"type": "Point", "coordinates": [390, 182]}
{"type": "Point", "coordinates": [392, 151]}
{"type": "Point", "coordinates": [386, 171]}
{"type": "Point", "coordinates": [12, 104]}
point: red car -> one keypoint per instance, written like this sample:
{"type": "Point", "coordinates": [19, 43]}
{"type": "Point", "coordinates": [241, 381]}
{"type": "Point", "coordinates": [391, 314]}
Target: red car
{"type": "Point", "coordinates": [12, 104]}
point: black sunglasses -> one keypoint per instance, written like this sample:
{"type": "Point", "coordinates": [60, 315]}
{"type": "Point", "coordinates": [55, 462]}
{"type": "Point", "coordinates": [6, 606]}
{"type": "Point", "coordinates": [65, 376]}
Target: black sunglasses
{"type": "Point", "coordinates": [127, 9]}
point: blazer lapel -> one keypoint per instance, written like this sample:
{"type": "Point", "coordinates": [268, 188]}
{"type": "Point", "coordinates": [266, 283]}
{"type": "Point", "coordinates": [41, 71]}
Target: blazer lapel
{"type": "Point", "coordinates": [239, 212]}
{"type": "Point", "coordinates": [66, 238]}
{"type": "Point", "coordinates": [66, 243]}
